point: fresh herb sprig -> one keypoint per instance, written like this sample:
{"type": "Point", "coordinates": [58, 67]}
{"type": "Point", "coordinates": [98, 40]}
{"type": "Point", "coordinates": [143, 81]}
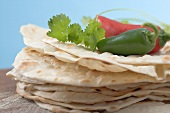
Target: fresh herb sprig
{"type": "Point", "coordinates": [62, 30]}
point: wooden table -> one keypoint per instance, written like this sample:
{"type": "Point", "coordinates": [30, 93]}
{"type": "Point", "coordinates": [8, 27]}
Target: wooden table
{"type": "Point", "coordinates": [10, 102]}
{"type": "Point", "coordinates": [6, 84]}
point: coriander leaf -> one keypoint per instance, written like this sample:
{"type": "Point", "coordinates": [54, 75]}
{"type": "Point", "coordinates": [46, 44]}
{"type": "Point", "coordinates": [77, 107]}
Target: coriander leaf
{"type": "Point", "coordinates": [93, 34]}
{"type": "Point", "coordinates": [58, 25]}
{"type": "Point", "coordinates": [74, 33]}
{"type": "Point", "coordinates": [99, 33]}
{"type": "Point", "coordinates": [91, 42]}
{"type": "Point", "coordinates": [92, 26]}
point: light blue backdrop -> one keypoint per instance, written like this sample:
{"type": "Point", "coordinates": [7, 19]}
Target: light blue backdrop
{"type": "Point", "coordinates": [14, 13]}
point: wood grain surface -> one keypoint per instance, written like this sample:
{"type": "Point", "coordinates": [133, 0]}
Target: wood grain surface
{"type": "Point", "coordinates": [10, 102]}
{"type": "Point", "coordinates": [6, 83]}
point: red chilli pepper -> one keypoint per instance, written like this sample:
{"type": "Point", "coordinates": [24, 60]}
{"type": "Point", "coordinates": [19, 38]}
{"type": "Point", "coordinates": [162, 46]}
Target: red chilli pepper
{"type": "Point", "coordinates": [113, 28]}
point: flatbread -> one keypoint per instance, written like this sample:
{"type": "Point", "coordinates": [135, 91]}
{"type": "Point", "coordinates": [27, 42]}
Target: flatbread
{"type": "Point", "coordinates": [146, 107]}
{"type": "Point", "coordinates": [48, 69]}
{"type": "Point", "coordinates": [108, 106]}
{"type": "Point", "coordinates": [14, 74]}
{"type": "Point", "coordinates": [155, 66]}
{"type": "Point", "coordinates": [68, 88]}
{"type": "Point", "coordinates": [94, 97]}
{"type": "Point", "coordinates": [112, 106]}
{"type": "Point", "coordinates": [138, 85]}
{"type": "Point", "coordinates": [59, 109]}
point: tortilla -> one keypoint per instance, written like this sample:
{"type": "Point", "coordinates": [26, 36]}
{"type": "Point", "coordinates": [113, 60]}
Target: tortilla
{"type": "Point", "coordinates": [155, 66]}
{"type": "Point", "coordinates": [146, 107]}
{"type": "Point", "coordinates": [112, 106]}
{"type": "Point", "coordinates": [14, 74]}
{"type": "Point", "coordinates": [32, 65]}
{"type": "Point", "coordinates": [108, 106]}
{"type": "Point", "coordinates": [95, 97]}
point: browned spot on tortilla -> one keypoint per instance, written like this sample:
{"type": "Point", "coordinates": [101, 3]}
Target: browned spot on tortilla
{"type": "Point", "coordinates": [70, 45]}
{"type": "Point", "coordinates": [166, 58]}
{"type": "Point", "coordinates": [113, 80]}
{"type": "Point", "coordinates": [85, 81]}
{"type": "Point", "coordinates": [27, 49]}
{"type": "Point", "coordinates": [33, 51]}
{"type": "Point", "coordinates": [60, 51]}
{"type": "Point", "coordinates": [30, 51]}
{"type": "Point", "coordinates": [25, 65]}
{"type": "Point", "coordinates": [33, 30]}
{"type": "Point", "coordinates": [39, 71]}
{"type": "Point", "coordinates": [56, 79]}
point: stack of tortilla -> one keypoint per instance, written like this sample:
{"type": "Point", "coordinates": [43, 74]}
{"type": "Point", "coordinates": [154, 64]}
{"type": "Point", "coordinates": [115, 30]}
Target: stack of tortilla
{"type": "Point", "coordinates": [66, 78]}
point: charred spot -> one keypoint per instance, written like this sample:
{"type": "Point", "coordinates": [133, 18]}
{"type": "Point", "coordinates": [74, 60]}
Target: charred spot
{"type": "Point", "coordinates": [33, 50]}
{"type": "Point", "coordinates": [98, 90]}
{"type": "Point", "coordinates": [137, 89]}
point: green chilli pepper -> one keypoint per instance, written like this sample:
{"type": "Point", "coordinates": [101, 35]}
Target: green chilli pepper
{"type": "Point", "coordinates": [163, 37]}
{"type": "Point", "coordinates": [133, 42]}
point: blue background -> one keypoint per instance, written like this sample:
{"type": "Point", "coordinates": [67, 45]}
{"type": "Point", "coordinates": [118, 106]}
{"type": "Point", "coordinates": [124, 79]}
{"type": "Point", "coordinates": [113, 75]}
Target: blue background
{"type": "Point", "coordinates": [14, 13]}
